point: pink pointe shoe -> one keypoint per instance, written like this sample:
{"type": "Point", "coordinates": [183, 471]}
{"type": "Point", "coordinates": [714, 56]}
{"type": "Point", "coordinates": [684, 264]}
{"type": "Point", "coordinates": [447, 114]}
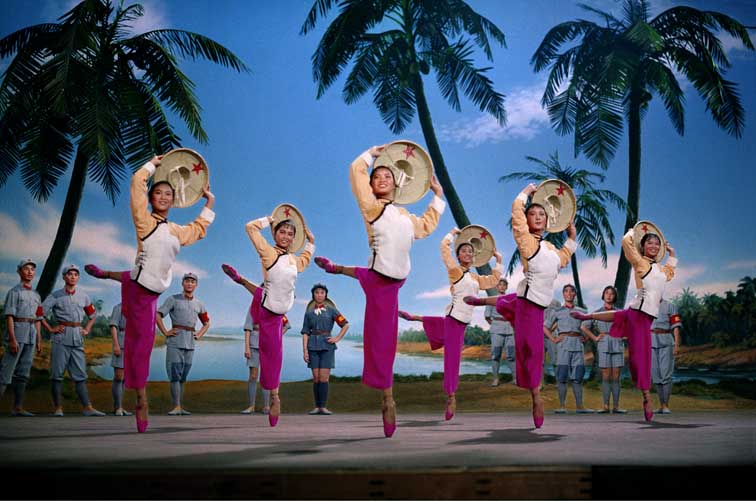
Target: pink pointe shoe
{"type": "Point", "coordinates": [648, 412]}
{"type": "Point", "coordinates": [326, 264]}
{"type": "Point", "coordinates": [140, 423]}
{"type": "Point", "coordinates": [451, 408]}
{"type": "Point", "coordinates": [275, 410]}
{"type": "Point", "coordinates": [231, 272]}
{"type": "Point", "coordinates": [93, 270]}
{"type": "Point", "coordinates": [405, 315]}
{"type": "Point", "coordinates": [473, 300]}
{"type": "Point", "coordinates": [538, 415]}
{"type": "Point", "coordinates": [579, 315]}
{"type": "Point", "coordinates": [388, 411]}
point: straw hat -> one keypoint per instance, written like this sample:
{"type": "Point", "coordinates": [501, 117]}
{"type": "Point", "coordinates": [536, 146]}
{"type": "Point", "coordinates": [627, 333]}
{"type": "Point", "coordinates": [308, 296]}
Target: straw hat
{"type": "Point", "coordinates": [482, 242]}
{"type": "Point", "coordinates": [288, 211]}
{"type": "Point", "coordinates": [327, 302]}
{"type": "Point", "coordinates": [412, 168]}
{"type": "Point", "coordinates": [641, 229]}
{"type": "Point", "coordinates": [187, 173]}
{"type": "Point", "coordinates": [558, 199]}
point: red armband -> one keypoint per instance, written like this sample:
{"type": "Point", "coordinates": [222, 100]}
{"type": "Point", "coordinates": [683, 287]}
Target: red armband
{"type": "Point", "coordinates": [284, 320]}
{"type": "Point", "coordinates": [675, 319]}
{"type": "Point", "coordinates": [204, 317]}
{"type": "Point", "coordinates": [40, 311]}
{"type": "Point", "coordinates": [341, 321]}
{"type": "Point", "coordinates": [89, 310]}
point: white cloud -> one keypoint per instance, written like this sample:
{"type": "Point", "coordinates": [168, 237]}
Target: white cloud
{"type": "Point", "coordinates": [155, 17]}
{"type": "Point", "coordinates": [733, 46]}
{"type": "Point", "coordinates": [525, 119]}
{"type": "Point", "coordinates": [441, 292]}
{"type": "Point", "coordinates": [740, 265]}
{"type": "Point", "coordinates": [92, 241]}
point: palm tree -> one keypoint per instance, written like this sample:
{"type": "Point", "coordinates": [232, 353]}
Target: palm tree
{"type": "Point", "coordinates": [591, 218]}
{"type": "Point", "coordinates": [417, 35]}
{"type": "Point", "coordinates": [617, 67]}
{"type": "Point", "coordinates": [85, 89]}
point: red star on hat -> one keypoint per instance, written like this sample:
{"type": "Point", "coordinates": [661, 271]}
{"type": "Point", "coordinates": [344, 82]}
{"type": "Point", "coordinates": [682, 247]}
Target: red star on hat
{"type": "Point", "coordinates": [197, 168]}
{"type": "Point", "coordinates": [409, 151]}
{"type": "Point", "coordinates": [287, 211]}
{"type": "Point", "coordinates": [483, 234]}
{"type": "Point", "coordinates": [645, 228]}
{"type": "Point", "coordinates": [560, 190]}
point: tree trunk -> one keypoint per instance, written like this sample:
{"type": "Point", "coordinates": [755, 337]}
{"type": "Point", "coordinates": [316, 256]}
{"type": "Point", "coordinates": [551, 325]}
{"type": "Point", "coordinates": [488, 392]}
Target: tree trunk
{"type": "Point", "coordinates": [576, 281]}
{"type": "Point", "coordinates": [66, 226]}
{"type": "Point", "coordinates": [622, 278]}
{"type": "Point", "coordinates": [452, 199]}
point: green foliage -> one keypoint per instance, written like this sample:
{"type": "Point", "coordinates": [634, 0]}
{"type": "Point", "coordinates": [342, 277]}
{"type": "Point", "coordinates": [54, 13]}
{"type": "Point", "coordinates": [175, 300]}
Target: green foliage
{"type": "Point", "coordinates": [474, 336]}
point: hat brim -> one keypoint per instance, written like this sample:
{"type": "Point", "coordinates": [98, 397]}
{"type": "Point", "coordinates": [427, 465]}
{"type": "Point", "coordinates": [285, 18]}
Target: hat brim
{"type": "Point", "coordinates": [187, 173]}
{"type": "Point", "coordinates": [481, 240]}
{"type": "Point", "coordinates": [288, 211]}
{"type": "Point", "coordinates": [558, 200]}
{"type": "Point", "coordinates": [409, 161]}
{"type": "Point", "coordinates": [640, 230]}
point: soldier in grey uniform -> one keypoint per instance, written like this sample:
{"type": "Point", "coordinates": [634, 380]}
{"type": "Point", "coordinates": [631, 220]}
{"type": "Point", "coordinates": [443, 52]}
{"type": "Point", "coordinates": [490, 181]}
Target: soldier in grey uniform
{"type": "Point", "coordinates": [570, 350]}
{"type": "Point", "coordinates": [665, 342]}
{"type": "Point", "coordinates": [549, 346]}
{"type": "Point", "coordinates": [118, 332]}
{"type": "Point", "coordinates": [611, 352]}
{"type": "Point", "coordinates": [69, 306]}
{"type": "Point", "coordinates": [252, 354]}
{"type": "Point", "coordinates": [319, 348]}
{"type": "Point", "coordinates": [502, 338]}
{"type": "Point", "coordinates": [23, 311]}
{"type": "Point", "coordinates": [184, 310]}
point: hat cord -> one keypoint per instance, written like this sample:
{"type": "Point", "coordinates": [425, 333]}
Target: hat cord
{"type": "Point", "coordinates": [180, 186]}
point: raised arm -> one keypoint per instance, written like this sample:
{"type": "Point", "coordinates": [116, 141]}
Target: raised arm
{"type": "Point", "coordinates": [639, 264]}
{"type": "Point", "coordinates": [671, 264]}
{"type": "Point", "coordinates": [309, 249]}
{"type": "Point", "coordinates": [486, 282]}
{"type": "Point", "coordinates": [197, 229]}
{"type": "Point", "coordinates": [359, 178]}
{"type": "Point", "coordinates": [453, 269]}
{"type": "Point", "coordinates": [526, 243]}
{"type": "Point", "coordinates": [425, 224]}
{"type": "Point", "coordinates": [268, 254]}
{"type": "Point", "coordinates": [144, 223]}
{"type": "Point", "coordinates": [569, 247]}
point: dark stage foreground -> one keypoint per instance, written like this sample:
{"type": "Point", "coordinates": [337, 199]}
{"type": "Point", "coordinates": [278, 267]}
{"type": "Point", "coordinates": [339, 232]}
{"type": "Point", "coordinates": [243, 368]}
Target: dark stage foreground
{"type": "Point", "coordinates": [704, 455]}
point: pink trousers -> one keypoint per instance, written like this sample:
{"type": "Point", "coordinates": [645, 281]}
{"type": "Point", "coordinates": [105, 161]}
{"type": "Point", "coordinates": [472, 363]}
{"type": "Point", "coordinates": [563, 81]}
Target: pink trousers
{"type": "Point", "coordinates": [381, 325]}
{"type": "Point", "coordinates": [636, 327]}
{"type": "Point", "coordinates": [139, 306]}
{"type": "Point", "coordinates": [271, 342]}
{"type": "Point", "coordinates": [449, 333]}
{"type": "Point", "coordinates": [527, 319]}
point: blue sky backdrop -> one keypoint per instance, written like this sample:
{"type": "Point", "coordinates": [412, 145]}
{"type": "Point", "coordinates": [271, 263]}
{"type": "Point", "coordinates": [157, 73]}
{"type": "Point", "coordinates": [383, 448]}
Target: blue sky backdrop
{"type": "Point", "coordinates": [271, 141]}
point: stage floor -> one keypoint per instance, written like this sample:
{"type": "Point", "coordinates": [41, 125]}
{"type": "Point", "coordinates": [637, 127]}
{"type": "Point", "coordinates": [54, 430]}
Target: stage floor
{"type": "Point", "coordinates": [483, 456]}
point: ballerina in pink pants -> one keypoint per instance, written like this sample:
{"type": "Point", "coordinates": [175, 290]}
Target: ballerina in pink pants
{"type": "Point", "coordinates": [158, 243]}
{"type": "Point", "coordinates": [449, 331]}
{"type": "Point", "coordinates": [541, 262]}
{"type": "Point", "coordinates": [391, 231]}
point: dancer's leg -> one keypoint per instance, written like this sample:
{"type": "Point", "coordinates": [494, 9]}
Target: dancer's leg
{"type": "Point", "coordinates": [336, 269]}
{"type": "Point", "coordinates": [236, 277]}
{"type": "Point", "coordinates": [410, 317]}
{"type": "Point", "coordinates": [96, 272]}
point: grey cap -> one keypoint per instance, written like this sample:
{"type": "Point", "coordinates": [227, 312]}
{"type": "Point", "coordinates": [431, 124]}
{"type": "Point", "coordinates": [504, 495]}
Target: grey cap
{"type": "Point", "coordinates": [24, 262]}
{"type": "Point", "coordinates": [190, 275]}
{"type": "Point", "coordinates": [70, 267]}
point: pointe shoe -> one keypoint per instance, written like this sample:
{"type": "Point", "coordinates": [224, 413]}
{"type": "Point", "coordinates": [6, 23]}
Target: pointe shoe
{"type": "Point", "coordinates": [579, 315]}
{"type": "Point", "coordinates": [405, 315]}
{"type": "Point", "coordinates": [648, 413]}
{"type": "Point", "coordinates": [275, 410]}
{"type": "Point", "coordinates": [231, 272]}
{"type": "Point", "coordinates": [538, 414]}
{"type": "Point", "coordinates": [326, 264]}
{"type": "Point", "coordinates": [140, 423]}
{"type": "Point", "coordinates": [473, 300]}
{"type": "Point", "coordinates": [451, 407]}
{"type": "Point", "coordinates": [94, 271]}
{"type": "Point", "coordinates": [388, 412]}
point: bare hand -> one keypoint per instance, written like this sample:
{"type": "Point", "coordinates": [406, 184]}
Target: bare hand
{"type": "Point", "coordinates": [39, 347]}
{"type": "Point", "coordinates": [207, 194]}
{"type": "Point", "coordinates": [309, 235]}
{"type": "Point", "coordinates": [332, 340]}
{"type": "Point", "coordinates": [530, 189]}
{"type": "Point", "coordinates": [84, 331]}
{"type": "Point", "coordinates": [436, 187]}
{"type": "Point", "coordinates": [456, 231]}
{"type": "Point", "coordinates": [498, 257]}
{"type": "Point", "coordinates": [374, 151]}
{"type": "Point", "coordinates": [559, 339]}
{"type": "Point", "coordinates": [13, 346]}
{"type": "Point", "coordinates": [58, 329]}
{"type": "Point", "coordinates": [671, 250]}
{"type": "Point", "coordinates": [156, 160]}
{"type": "Point", "coordinates": [306, 357]}
{"type": "Point", "coordinates": [171, 333]}
{"type": "Point", "coordinates": [572, 231]}
{"type": "Point", "coordinates": [116, 350]}
{"type": "Point", "coordinates": [676, 350]}
{"type": "Point", "coordinates": [247, 353]}
{"type": "Point", "coordinates": [600, 337]}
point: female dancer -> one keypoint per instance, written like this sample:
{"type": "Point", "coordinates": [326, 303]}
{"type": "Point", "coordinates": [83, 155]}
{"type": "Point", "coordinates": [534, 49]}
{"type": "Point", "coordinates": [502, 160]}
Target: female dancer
{"type": "Point", "coordinates": [158, 243]}
{"type": "Point", "coordinates": [611, 352]}
{"type": "Point", "coordinates": [634, 323]}
{"type": "Point", "coordinates": [541, 262]}
{"type": "Point", "coordinates": [276, 296]}
{"type": "Point", "coordinates": [449, 331]}
{"type": "Point", "coordinates": [391, 231]}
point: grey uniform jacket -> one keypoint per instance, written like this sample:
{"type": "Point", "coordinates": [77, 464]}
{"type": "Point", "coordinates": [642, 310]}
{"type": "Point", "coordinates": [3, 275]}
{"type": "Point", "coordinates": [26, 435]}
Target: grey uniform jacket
{"type": "Point", "coordinates": [118, 320]}
{"type": "Point", "coordinates": [607, 344]}
{"type": "Point", "coordinates": [254, 334]}
{"type": "Point", "coordinates": [318, 324]}
{"type": "Point", "coordinates": [564, 323]}
{"type": "Point", "coordinates": [499, 326]}
{"type": "Point", "coordinates": [184, 312]}
{"type": "Point", "coordinates": [67, 307]}
{"type": "Point", "coordinates": [668, 319]}
{"type": "Point", "coordinates": [21, 302]}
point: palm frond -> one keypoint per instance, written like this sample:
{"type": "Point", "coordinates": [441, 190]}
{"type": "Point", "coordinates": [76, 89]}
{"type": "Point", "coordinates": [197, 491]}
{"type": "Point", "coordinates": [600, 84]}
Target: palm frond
{"type": "Point", "coordinates": [194, 46]}
{"type": "Point", "coordinates": [319, 8]}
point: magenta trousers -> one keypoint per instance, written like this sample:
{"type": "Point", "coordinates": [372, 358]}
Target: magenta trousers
{"type": "Point", "coordinates": [381, 325]}
{"type": "Point", "coordinates": [527, 319]}
{"type": "Point", "coordinates": [636, 327]}
{"type": "Point", "coordinates": [449, 333]}
{"type": "Point", "coordinates": [271, 342]}
{"type": "Point", "coordinates": [139, 306]}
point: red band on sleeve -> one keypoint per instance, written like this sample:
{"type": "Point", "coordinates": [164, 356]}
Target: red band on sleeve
{"type": "Point", "coordinates": [675, 319]}
{"type": "Point", "coordinates": [285, 320]}
{"type": "Point", "coordinates": [40, 311]}
{"type": "Point", "coordinates": [89, 310]}
{"type": "Point", "coordinates": [341, 320]}
{"type": "Point", "coordinates": [204, 317]}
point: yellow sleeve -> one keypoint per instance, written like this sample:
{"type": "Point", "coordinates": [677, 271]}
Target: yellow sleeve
{"type": "Point", "coordinates": [268, 254]}
{"type": "Point", "coordinates": [640, 265]}
{"type": "Point", "coordinates": [526, 243]}
{"type": "Point", "coordinates": [566, 252]}
{"type": "Point", "coordinates": [304, 259]}
{"type": "Point", "coordinates": [425, 224]}
{"type": "Point", "coordinates": [669, 268]}
{"type": "Point", "coordinates": [196, 230]}
{"type": "Point", "coordinates": [452, 268]}
{"type": "Point", "coordinates": [489, 281]}
{"type": "Point", "coordinates": [369, 205]}
{"type": "Point", "coordinates": [144, 223]}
